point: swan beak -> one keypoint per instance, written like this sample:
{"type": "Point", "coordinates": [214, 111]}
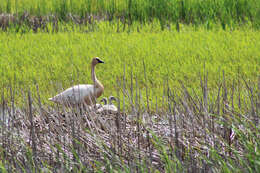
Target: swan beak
{"type": "Point", "coordinates": [100, 61]}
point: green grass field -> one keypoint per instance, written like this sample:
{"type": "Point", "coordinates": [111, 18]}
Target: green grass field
{"type": "Point", "coordinates": [61, 60]}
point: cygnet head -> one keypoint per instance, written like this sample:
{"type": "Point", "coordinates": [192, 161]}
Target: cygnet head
{"type": "Point", "coordinates": [96, 61]}
{"type": "Point", "coordinates": [111, 98]}
{"type": "Point", "coordinates": [104, 100]}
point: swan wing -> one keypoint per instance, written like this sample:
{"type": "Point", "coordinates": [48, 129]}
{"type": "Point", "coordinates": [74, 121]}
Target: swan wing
{"type": "Point", "coordinates": [74, 95]}
{"type": "Point", "coordinates": [112, 108]}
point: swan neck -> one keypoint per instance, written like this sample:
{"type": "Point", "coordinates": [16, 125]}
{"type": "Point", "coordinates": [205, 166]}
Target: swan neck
{"type": "Point", "coordinates": [93, 74]}
{"type": "Point", "coordinates": [98, 87]}
{"type": "Point", "coordinates": [96, 82]}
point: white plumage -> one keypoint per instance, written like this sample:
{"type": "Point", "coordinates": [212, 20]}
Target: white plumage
{"type": "Point", "coordinates": [82, 93]}
{"type": "Point", "coordinates": [75, 95]}
{"type": "Point", "coordinates": [108, 108]}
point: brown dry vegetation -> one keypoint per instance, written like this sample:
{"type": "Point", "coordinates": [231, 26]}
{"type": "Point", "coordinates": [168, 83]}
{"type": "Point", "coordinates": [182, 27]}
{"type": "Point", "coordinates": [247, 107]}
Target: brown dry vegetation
{"type": "Point", "coordinates": [195, 133]}
{"type": "Point", "coordinates": [44, 23]}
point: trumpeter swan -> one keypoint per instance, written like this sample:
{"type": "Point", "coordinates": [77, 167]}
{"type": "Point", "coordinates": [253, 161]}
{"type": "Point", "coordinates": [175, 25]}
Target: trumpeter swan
{"type": "Point", "coordinates": [108, 108]}
{"type": "Point", "coordinates": [82, 93]}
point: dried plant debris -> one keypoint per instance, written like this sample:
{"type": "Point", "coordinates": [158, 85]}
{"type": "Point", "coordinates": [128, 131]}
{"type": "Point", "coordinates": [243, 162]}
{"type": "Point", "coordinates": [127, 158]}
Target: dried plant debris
{"type": "Point", "coordinates": [81, 139]}
{"type": "Point", "coordinates": [40, 23]}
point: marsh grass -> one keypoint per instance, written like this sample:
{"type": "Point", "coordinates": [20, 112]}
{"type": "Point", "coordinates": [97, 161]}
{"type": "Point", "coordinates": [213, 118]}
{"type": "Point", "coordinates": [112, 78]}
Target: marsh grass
{"type": "Point", "coordinates": [203, 132]}
{"type": "Point", "coordinates": [207, 12]}
{"type": "Point", "coordinates": [60, 60]}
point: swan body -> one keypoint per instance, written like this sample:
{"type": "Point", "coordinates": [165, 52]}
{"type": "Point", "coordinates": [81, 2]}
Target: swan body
{"type": "Point", "coordinates": [77, 94]}
{"type": "Point", "coordinates": [82, 93]}
{"type": "Point", "coordinates": [108, 108]}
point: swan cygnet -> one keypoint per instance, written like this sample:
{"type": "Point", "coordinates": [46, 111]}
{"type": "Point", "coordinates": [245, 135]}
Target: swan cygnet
{"type": "Point", "coordinates": [108, 108]}
{"type": "Point", "coordinates": [82, 93]}
{"type": "Point", "coordinates": [99, 105]}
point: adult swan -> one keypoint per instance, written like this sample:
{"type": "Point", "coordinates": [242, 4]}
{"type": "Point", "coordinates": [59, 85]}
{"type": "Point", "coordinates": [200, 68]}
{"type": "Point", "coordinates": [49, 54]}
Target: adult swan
{"type": "Point", "coordinates": [82, 93]}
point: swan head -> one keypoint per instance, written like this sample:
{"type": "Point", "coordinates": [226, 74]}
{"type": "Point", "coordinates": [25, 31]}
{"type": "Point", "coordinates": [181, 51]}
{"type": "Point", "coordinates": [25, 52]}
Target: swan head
{"type": "Point", "coordinates": [96, 61]}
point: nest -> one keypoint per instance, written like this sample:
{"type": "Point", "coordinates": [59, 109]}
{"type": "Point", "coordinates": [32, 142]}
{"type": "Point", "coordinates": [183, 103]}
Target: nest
{"type": "Point", "coordinates": [55, 136]}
